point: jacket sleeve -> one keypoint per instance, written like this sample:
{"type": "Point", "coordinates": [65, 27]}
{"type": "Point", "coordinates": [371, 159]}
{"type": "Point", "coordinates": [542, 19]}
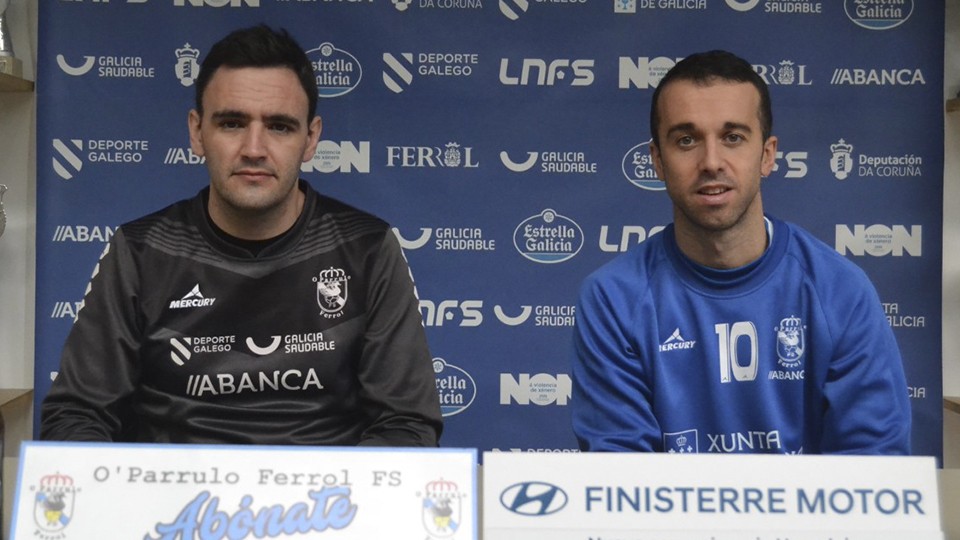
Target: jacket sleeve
{"type": "Point", "coordinates": [866, 408]}
{"type": "Point", "coordinates": [398, 387]}
{"type": "Point", "coordinates": [92, 397]}
{"type": "Point", "coordinates": [612, 396]}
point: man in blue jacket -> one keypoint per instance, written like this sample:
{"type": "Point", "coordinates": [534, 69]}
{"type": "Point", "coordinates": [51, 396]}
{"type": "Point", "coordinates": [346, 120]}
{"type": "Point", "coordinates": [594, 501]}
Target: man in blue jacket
{"type": "Point", "coordinates": [732, 331]}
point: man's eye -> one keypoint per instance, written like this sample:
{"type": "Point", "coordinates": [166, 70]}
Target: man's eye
{"type": "Point", "coordinates": [685, 141]}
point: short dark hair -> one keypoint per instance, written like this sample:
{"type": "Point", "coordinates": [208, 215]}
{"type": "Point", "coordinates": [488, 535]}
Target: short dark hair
{"type": "Point", "coordinates": [259, 46]}
{"type": "Point", "coordinates": [706, 67]}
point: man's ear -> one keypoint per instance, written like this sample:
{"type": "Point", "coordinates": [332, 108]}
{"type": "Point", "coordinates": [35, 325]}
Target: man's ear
{"type": "Point", "coordinates": [769, 157]}
{"type": "Point", "coordinates": [657, 162]}
{"type": "Point", "coordinates": [196, 138]}
{"type": "Point", "coordinates": [313, 138]}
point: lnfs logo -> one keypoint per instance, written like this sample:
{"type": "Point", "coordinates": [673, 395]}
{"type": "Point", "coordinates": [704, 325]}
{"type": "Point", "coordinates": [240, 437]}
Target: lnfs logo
{"type": "Point", "coordinates": [579, 72]}
{"type": "Point", "coordinates": [533, 499]}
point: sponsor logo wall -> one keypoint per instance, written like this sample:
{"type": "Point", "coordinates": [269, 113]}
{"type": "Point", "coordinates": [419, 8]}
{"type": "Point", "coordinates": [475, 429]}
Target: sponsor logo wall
{"type": "Point", "coordinates": [507, 143]}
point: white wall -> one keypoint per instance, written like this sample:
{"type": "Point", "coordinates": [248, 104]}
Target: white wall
{"type": "Point", "coordinates": [951, 236]}
{"type": "Point", "coordinates": [17, 172]}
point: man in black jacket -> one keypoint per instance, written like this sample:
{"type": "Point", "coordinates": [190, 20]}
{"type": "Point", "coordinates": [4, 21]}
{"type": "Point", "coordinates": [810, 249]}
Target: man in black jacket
{"type": "Point", "coordinates": [258, 311]}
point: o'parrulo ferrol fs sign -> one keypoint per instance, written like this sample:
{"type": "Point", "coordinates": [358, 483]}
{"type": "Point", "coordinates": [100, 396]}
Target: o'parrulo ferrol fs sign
{"type": "Point", "coordinates": [73, 491]}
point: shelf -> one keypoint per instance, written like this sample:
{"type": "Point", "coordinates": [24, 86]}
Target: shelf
{"type": "Point", "coordinates": [951, 403]}
{"type": "Point", "coordinates": [10, 394]}
{"type": "Point", "coordinates": [953, 104]}
{"type": "Point", "coordinates": [9, 83]}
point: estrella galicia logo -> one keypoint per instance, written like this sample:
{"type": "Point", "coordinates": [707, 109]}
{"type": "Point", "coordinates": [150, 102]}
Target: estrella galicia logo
{"type": "Point", "coordinates": [337, 71]}
{"type": "Point", "coordinates": [878, 14]}
{"type": "Point", "coordinates": [638, 168]}
{"type": "Point", "coordinates": [455, 387]}
{"type": "Point", "coordinates": [548, 238]}
{"type": "Point", "coordinates": [54, 505]}
{"type": "Point", "coordinates": [533, 499]}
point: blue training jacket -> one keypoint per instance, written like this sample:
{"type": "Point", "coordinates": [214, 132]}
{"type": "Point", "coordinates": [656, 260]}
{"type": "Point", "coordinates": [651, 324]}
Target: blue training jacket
{"type": "Point", "coordinates": [789, 354]}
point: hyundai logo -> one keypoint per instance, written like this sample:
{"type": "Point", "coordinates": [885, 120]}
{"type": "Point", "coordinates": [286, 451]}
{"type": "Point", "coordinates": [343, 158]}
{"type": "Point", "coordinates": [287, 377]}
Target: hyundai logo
{"type": "Point", "coordinates": [533, 498]}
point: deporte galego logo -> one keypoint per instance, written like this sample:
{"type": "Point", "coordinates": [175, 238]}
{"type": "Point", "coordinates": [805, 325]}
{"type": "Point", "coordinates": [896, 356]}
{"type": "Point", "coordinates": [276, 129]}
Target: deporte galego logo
{"type": "Point", "coordinates": [533, 499]}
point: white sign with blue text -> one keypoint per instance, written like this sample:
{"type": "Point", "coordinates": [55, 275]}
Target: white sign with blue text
{"type": "Point", "coordinates": [708, 497]}
{"type": "Point", "coordinates": [70, 491]}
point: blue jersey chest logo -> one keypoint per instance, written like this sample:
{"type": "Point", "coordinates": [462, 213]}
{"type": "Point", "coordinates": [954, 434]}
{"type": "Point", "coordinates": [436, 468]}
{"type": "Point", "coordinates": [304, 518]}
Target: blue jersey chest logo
{"type": "Point", "coordinates": [790, 342]}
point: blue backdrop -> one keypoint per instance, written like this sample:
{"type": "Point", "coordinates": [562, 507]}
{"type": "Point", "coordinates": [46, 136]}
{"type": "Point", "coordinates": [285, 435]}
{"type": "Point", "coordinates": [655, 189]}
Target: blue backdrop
{"type": "Point", "coordinates": [507, 143]}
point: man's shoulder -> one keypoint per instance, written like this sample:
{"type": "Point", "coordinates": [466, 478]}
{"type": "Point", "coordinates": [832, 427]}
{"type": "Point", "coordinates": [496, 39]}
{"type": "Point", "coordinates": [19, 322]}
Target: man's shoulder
{"type": "Point", "coordinates": [632, 268]}
{"type": "Point", "coordinates": [823, 265]}
{"type": "Point", "coordinates": [332, 216]}
{"type": "Point", "coordinates": [814, 250]}
{"type": "Point", "coordinates": [170, 221]}
{"type": "Point", "coordinates": [321, 204]}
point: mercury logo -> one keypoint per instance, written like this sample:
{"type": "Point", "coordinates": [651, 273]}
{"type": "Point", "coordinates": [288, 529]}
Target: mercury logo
{"type": "Point", "coordinates": [192, 299]}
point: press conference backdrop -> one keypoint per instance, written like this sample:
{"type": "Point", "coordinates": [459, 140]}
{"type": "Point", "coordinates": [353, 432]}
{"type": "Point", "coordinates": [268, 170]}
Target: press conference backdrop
{"type": "Point", "coordinates": [507, 142]}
